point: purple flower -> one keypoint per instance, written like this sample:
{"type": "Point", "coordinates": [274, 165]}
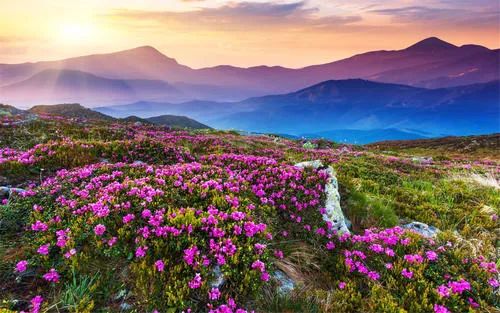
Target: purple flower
{"type": "Point", "coordinates": [342, 285]}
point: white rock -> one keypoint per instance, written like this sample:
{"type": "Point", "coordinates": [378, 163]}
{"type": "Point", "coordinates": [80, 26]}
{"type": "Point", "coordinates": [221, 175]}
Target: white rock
{"type": "Point", "coordinates": [334, 213]}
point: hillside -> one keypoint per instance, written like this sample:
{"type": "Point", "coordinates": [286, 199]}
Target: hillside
{"type": "Point", "coordinates": [188, 220]}
{"type": "Point", "coordinates": [70, 110]}
{"type": "Point", "coordinates": [477, 146]}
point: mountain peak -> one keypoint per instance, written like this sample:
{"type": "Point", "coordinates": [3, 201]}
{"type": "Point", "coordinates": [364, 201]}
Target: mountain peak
{"type": "Point", "coordinates": [431, 43]}
{"type": "Point", "coordinates": [146, 53]}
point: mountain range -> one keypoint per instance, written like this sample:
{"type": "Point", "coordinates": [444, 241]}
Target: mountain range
{"type": "Point", "coordinates": [144, 73]}
{"type": "Point", "coordinates": [432, 88]}
{"type": "Point", "coordinates": [353, 104]}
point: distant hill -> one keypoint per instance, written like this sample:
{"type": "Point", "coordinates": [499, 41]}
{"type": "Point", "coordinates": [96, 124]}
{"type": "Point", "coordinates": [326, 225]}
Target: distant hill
{"type": "Point", "coordinates": [70, 110]}
{"type": "Point", "coordinates": [175, 121]}
{"type": "Point", "coordinates": [135, 119]}
{"type": "Point", "coordinates": [9, 110]}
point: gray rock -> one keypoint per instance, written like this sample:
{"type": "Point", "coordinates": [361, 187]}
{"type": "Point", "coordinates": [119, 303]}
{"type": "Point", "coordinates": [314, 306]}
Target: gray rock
{"type": "Point", "coordinates": [422, 160]}
{"type": "Point", "coordinates": [219, 277]}
{"type": "Point", "coordinates": [422, 228]}
{"type": "Point", "coordinates": [286, 284]}
{"type": "Point", "coordinates": [6, 192]}
{"type": "Point", "coordinates": [334, 213]}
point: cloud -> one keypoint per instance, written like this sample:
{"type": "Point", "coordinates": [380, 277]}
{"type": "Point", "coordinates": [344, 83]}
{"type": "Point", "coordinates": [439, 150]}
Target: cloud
{"type": "Point", "coordinates": [239, 16]}
{"type": "Point", "coordinates": [450, 16]}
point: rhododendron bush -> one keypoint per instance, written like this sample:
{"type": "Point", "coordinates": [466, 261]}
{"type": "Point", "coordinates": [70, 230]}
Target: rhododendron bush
{"type": "Point", "coordinates": [135, 218]}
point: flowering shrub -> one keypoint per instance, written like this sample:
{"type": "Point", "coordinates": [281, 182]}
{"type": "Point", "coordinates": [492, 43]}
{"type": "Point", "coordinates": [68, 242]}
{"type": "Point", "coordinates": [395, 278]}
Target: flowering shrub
{"type": "Point", "coordinates": [141, 215]}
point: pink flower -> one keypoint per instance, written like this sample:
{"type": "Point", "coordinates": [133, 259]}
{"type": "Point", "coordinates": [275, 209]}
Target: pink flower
{"type": "Point", "coordinates": [388, 266]}
{"type": "Point", "coordinates": [214, 294]}
{"type": "Point", "coordinates": [330, 245]}
{"type": "Point", "coordinates": [440, 309]}
{"type": "Point", "coordinates": [128, 218]}
{"type": "Point", "coordinates": [259, 265]}
{"type": "Point", "coordinates": [431, 255]}
{"type": "Point", "coordinates": [373, 275]}
{"type": "Point", "coordinates": [51, 276]}
{"type": "Point", "coordinates": [21, 266]}
{"type": "Point", "coordinates": [278, 254]}
{"type": "Point", "coordinates": [493, 283]}
{"type": "Point", "coordinates": [459, 286]}
{"type": "Point", "coordinates": [264, 276]}
{"type": "Point", "coordinates": [70, 253]}
{"type": "Point", "coordinates": [473, 303]}
{"type": "Point", "coordinates": [36, 304]}
{"type": "Point", "coordinates": [99, 229]}
{"type": "Point", "coordinates": [44, 249]}
{"type": "Point", "coordinates": [342, 285]}
{"type": "Point", "coordinates": [140, 252]}
{"type": "Point", "coordinates": [406, 273]}
{"type": "Point", "coordinates": [159, 265]}
{"type": "Point", "coordinates": [443, 291]}
{"type": "Point", "coordinates": [39, 226]}
{"type": "Point", "coordinates": [196, 282]}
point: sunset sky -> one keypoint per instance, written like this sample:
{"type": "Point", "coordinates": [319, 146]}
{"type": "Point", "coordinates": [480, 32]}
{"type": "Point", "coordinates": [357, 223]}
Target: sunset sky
{"type": "Point", "coordinates": [202, 33]}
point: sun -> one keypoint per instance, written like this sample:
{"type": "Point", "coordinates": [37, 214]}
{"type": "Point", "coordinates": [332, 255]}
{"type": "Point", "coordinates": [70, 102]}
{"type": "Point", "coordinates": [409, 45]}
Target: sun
{"type": "Point", "coordinates": [76, 32]}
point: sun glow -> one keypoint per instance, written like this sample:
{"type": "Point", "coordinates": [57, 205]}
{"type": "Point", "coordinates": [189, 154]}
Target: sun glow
{"type": "Point", "coordinates": [76, 32]}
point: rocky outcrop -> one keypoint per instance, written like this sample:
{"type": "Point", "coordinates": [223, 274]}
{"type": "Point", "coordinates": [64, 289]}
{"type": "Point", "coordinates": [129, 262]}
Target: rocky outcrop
{"type": "Point", "coordinates": [333, 213]}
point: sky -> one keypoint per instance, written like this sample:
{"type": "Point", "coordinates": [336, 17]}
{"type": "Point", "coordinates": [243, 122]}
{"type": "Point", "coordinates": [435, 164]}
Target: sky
{"type": "Point", "coordinates": [201, 33]}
